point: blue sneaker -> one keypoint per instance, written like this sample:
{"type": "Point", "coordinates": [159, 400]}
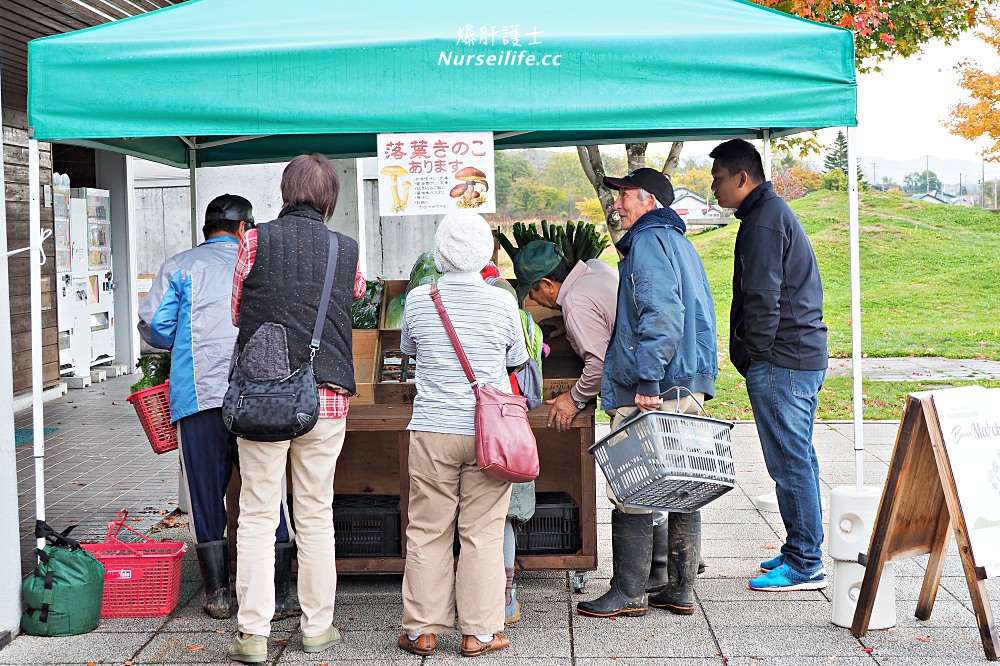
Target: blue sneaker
{"type": "Point", "coordinates": [773, 563]}
{"type": "Point", "coordinates": [786, 579]}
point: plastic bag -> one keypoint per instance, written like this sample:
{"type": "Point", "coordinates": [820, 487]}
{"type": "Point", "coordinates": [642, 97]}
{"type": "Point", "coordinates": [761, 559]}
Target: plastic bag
{"type": "Point", "coordinates": [394, 312]}
{"type": "Point", "coordinates": [423, 272]}
{"type": "Point", "coordinates": [155, 371]}
{"type": "Point", "coordinates": [364, 310]}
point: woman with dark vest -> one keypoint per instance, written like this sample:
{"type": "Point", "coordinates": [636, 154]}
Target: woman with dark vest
{"type": "Point", "coordinates": [280, 271]}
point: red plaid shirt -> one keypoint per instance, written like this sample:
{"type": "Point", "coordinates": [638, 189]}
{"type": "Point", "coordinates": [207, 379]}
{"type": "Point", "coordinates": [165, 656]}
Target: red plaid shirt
{"type": "Point", "coordinates": [332, 405]}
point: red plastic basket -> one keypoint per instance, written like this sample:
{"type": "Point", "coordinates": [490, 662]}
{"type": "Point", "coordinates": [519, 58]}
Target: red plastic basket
{"type": "Point", "coordinates": [152, 405]}
{"type": "Point", "coordinates": [141, 579]}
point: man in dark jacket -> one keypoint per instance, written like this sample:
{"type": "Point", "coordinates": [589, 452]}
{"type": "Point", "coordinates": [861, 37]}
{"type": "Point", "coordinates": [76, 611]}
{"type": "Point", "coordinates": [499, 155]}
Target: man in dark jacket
{"type": "Point", "coordinates": [777, 340]}
{"type": "Point", "coordinates": [662, 355]}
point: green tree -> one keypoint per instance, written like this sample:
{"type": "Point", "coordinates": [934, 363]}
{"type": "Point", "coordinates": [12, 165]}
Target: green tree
{"type": "Point", "coordinates": [834, 179]}
{"type": "Point", "coordinates": [925, 181]}
{"type": "Point", "coordinates": [837, 157]}
{"type": "Point", "coordinates": [697, 179]}
{"type": "Point", "coordinates": [509, 165]}
{"type": "Point", "coordinates": [562, 171]}
{"type": "Point", "coordinates": [531, 199]}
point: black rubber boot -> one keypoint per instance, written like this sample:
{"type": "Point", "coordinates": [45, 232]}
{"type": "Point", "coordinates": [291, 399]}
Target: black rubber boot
{"type": "Point", "coordinates": [658, 577]}
{"type": "Point", "coordinates": [285, 603]}
{"type": "Point", "coordinates": [685, 553]}
{"type": "Point", "coordinates": [213, 560]}
{"type": "Point", "coordinates": [701, 566]}
{"type": "Point", "coordinates": [631, 550]}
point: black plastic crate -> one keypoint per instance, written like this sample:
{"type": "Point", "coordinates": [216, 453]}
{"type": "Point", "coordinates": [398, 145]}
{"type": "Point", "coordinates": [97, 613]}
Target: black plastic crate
{"type": "Point", "coordinates": [367, 525]}
{"type": "Point", "coordinates": [553, 530]}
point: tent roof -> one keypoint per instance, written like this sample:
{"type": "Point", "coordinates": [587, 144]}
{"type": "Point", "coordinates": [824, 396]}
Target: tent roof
{"type": "Point", "coordinates": [259, 80]}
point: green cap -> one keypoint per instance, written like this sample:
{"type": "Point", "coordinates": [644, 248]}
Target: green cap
{"type": "Point", "coordinates": [533, 262]}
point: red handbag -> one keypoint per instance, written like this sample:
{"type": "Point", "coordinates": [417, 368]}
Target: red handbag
{"type": "Point", "coordinates": [505, 444]}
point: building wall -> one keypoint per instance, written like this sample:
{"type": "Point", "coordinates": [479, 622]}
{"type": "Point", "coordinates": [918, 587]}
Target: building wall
{"type": "Point", "coordinates": [15, 160]}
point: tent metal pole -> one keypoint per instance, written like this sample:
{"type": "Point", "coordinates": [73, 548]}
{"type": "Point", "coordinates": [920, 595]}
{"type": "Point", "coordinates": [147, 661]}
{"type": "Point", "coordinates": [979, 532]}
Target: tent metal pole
{"type": "Point", "coordinates": [852, 204]}
{"type": "Point", "coordinates": [35, 281]}
{"type": "Point", "coordinates": [193, 191]}
{"type": "Point", "coordinates": [10, 547]}
{"type": "Point", "coordinates": [766, 154]}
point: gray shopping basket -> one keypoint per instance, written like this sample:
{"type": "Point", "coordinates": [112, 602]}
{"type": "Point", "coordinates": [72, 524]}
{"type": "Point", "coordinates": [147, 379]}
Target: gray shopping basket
{"type": "Point", "coordinates": [668, 461]}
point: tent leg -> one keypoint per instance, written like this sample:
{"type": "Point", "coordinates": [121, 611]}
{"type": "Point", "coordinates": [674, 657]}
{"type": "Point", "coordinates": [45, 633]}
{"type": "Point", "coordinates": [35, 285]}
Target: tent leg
{"type": "Point", "coordinates": [35, 267]}
{"type": "Point", "coordinates": [10, 544]}
{"type": "Point", "coordinates": [766, 154]}
{"type": "Point", "coordinates": [193, 190]}
{"type": "Point", "coordinates": [852, 204]}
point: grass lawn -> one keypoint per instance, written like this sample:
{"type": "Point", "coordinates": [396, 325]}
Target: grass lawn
{"type": "Point", "coordinates": [928, 288]}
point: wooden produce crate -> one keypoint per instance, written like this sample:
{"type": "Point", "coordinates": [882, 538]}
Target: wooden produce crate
{"type": "Point", "coordinates": [364, 345]}
{"type": "Point", "coordinates": [393, 288]}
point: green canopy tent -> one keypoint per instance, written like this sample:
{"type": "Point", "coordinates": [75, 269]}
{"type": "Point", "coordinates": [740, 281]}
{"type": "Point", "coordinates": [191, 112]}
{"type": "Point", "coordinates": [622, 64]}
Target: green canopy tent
{"type": "Point", "coordinates": [258, 80]}
{"type": "Point", "coordinates": [217, 82]}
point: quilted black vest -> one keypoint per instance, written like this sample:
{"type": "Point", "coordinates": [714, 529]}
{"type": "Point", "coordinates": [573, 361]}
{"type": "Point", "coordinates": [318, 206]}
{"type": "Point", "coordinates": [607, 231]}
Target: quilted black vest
{"type": "Point", "coordinates": [284, 286]}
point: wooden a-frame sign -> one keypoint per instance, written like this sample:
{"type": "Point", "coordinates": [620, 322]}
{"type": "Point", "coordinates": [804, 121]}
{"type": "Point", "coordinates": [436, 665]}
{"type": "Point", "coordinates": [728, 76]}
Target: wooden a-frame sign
{"type": "Point", "coordinates": [922, 503]}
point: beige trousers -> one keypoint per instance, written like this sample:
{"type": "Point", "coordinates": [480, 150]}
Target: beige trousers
{"type": "Point", "coordinates": [313, 464]}
{"type": "Point", "coordinates": [685, 405]}
{"type": "Point", "coordinates": [446, 483]}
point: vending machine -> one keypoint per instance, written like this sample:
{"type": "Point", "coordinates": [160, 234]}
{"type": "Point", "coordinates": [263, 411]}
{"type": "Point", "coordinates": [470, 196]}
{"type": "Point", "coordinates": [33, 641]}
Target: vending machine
{"type": "Point", "coordinates": [90, 222]}
{"type": "Point", "coordinates": [71, 284]}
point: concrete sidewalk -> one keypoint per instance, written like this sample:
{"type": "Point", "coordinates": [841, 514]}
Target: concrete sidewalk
{"type": "Point", "coordinates": [917, 369]}
{"type": "Point", "coordinates": [99, 461]}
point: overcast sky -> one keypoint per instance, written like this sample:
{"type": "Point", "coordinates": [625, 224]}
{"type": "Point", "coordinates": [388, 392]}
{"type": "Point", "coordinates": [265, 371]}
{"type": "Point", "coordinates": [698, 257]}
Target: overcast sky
{"type": "Point", "coordinates": [900, 111]}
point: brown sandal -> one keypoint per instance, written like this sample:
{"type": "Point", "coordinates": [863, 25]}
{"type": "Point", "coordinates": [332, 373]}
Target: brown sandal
{"type": "Point", "coordinates": [423, 645]}
{"type": "Point", "coordinates": [473, 647]}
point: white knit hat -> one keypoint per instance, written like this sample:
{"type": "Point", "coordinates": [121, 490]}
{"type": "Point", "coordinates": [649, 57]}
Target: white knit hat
{"type": "Point", "coordinates": [463, 243]}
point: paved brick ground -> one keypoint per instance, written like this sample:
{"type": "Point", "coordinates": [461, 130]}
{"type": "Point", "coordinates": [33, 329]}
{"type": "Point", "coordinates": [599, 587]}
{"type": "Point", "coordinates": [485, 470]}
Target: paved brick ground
{"type": "Point", "coordinates": [96, 463]}
{"type": "Point", "coordinates": [99, 462]}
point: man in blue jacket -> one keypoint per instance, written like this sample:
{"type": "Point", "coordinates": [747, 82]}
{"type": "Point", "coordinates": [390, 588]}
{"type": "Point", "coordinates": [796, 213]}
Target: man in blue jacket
{"type": "Point", "coordinates": [662, 355]}
{"type": "Point", "coordinates": [777, 340]}
{"type": "Point", "coordinates": [188, 311]}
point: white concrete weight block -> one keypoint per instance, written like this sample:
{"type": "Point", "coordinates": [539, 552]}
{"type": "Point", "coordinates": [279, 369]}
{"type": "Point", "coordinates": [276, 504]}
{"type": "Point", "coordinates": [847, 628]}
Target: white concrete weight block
{"type": "Point", "coordinates": [852, 519]}
{"type": "Point", "coordinates": [847, 578]}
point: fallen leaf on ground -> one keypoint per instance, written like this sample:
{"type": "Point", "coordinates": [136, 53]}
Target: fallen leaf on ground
{"type": "Point", "coordinates": [925, 639]}
{"type": "Point", "coordinates": [195, 648]}
{"type": "Point", "coordinates": [76, 483]}
{"type": "Point", "coordinates": [769, 547]}
{"type": "Point", "coordinates": [282, 642]}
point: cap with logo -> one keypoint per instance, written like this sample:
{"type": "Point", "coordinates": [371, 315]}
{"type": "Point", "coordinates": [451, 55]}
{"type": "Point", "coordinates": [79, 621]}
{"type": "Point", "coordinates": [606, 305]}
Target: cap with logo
{"type": "Point", "coordinates": [647, 179]}
{"type": "Point", "coordinates": [533, 262]}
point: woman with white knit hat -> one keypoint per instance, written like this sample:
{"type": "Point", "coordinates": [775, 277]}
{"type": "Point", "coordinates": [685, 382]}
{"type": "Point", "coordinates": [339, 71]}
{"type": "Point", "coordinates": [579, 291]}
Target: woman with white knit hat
{"type": "Point", "coordinates": [445, 481]}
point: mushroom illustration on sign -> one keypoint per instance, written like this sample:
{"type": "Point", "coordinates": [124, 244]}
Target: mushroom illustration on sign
{"type": "Point", "coordinates": [470, 192]}
{"type": "Point", "coordinates": [394, 171]}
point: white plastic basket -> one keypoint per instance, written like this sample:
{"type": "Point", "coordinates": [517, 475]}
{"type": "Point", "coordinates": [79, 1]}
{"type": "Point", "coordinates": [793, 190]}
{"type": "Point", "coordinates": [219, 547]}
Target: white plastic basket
{"type": "Point", "coordinates": [668, 461]}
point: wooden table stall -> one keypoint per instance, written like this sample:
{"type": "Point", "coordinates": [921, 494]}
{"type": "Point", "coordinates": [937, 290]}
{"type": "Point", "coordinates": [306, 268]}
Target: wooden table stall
{"type": "Point", "coordinates": [373, 463]}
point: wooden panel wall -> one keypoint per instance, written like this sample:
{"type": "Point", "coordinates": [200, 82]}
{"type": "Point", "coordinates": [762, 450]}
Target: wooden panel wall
{"type": "Point", "coordinates": [15, 163]}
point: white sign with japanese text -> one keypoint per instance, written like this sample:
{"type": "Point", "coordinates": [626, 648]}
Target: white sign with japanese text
{"type": "Point", "coordinates": [970, 428]}
{"type": "Point", "coordinates": [430, 174]}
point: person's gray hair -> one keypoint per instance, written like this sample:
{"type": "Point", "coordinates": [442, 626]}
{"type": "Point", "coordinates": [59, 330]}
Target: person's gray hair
{"type": "Point", "coordinates": [643, 195]}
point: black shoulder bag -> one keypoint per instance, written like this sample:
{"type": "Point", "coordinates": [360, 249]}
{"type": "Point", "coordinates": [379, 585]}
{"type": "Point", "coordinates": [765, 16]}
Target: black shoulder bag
{"type": "Point", "coordinates": [275, 410]}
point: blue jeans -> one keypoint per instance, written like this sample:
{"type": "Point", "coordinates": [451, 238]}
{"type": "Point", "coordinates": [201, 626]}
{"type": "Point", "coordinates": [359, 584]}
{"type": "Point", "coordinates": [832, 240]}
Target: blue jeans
{"type": "Point", "coordinates": [784, 406]}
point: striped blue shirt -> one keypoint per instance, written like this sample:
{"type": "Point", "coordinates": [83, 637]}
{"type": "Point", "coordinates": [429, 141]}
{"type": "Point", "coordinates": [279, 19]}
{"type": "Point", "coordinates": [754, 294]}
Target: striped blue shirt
{"type": "Point", "coordinates": [489, 328]}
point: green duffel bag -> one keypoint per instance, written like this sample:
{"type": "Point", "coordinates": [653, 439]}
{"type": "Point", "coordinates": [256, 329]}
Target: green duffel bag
{"type": "Point", "coordinates": [63, 596]}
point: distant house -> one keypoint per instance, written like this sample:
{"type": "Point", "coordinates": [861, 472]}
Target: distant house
{"type": "Point", "coordinates": [694, 209]}
{"type": "Point", "coordinates": [933, 197]}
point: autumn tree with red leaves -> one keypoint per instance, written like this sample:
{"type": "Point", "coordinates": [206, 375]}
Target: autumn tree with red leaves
{"type": "Point", "coordinates": [883, 29]}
